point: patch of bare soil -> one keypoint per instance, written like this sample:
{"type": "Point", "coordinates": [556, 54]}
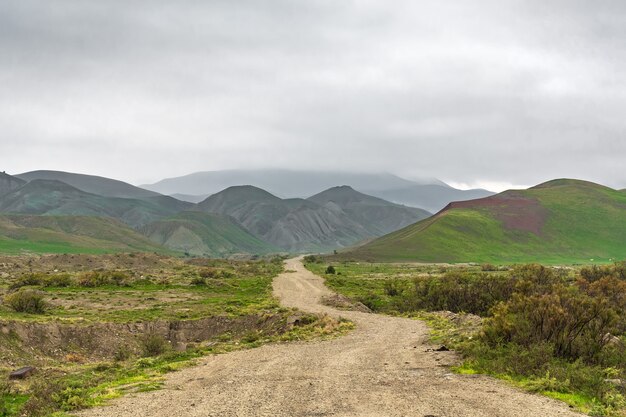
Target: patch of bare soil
{"type": "Point", "coordinates": [342, 302]}
{"type": "Point", "coordinates": [101, 341]}
{"type": "Point", "coordinates": [383, 368]}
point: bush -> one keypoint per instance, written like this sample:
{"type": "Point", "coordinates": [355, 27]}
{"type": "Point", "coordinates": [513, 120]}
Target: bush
{"type": "Point", "coordinates": [58, 280]}
{"type": "Point", "coordinates": [122, 353]}
{"type": "Point", "coordinates": [208, 273]}
{"type": "Point", "coordinates": [311, 259]}
{"type": "Point", "coordinates": [571, 321]}
{"type": "Point", "coordinates": [330, 270]}
{"type": "Point", "coordinates": [393, 288]}
{"type": "Point", "coordinates": [27, 280]}
{"type": "Point", "coordinates": [103, 278]}
{"type": "Point", "coordinates": [488, 268]}
{"type": "Point", "coordinates": [456, 291]}
{"type": "Point", "coordinates": [199, 281]}
{"type": "Point", "coordinates": [26, 301]}
{"type": "Point", "coordinates": [154, 344]}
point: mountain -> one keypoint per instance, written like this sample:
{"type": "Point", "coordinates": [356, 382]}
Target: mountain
{"type": "Point", "coordinates": [52, 197]}
{"type": "Point", "coordinates": [294, 225]}
{"type": "Point", "coordinates": [429, 194]}
{"type": "Point", "coordinates": [335, 218]}
{"type": "Point", "coordinates": [69, 234]}
{"type": "Point", "coordinates": [190, 198]}
{"type": "Point", "coordinates": [283, 183]}
{"type": "Point", "coordinates": [9, 183]}
{"type": "Point", "coordinates": [561, 221]}
{"type": "Point", "coordinates": [431, 197]}
{"type": "Point", "coordinates": [378, 216]}
{"type": "Point", "coordinates": [205, 234]}
{"type": "Point", "coordinates": [91, 184]}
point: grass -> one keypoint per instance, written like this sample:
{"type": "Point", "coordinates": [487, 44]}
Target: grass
{"type": "Point", "coordinates": [153, 289]}
{"type": "Point", "coordinates": [580, 384]}
{"type": "Point", "coordinates": [161, 292]}
{"type": "Point", "coordinates": [92, 385]}
{"type": "Point", "coordinates": [584, 223]}
{"type": "Point", "coordinates": [69, 234]}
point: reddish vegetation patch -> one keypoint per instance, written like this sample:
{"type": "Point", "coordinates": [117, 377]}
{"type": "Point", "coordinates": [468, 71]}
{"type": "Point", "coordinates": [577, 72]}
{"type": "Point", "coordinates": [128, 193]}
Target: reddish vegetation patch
{"type": "Point", "coordinates": [514, 211]}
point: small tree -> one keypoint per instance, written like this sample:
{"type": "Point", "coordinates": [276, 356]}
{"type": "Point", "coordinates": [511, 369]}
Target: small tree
{"type": "Point", "coordinates": [330, 270]}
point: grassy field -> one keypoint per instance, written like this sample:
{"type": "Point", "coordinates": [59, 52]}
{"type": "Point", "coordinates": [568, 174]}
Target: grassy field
{"type": "Point", "coordinates": [561, 222]}
{"type": "Point", "coordinates": [22, 234]}
{"type": "Point", "coordinates": [542, 329]}
{"type": "Point", "coordinates": [113, 324]}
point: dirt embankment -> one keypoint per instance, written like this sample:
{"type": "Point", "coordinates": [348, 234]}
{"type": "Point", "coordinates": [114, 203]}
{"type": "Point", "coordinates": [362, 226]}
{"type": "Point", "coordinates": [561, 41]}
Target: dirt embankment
{"type": "Point", "coordinates": [385, 367]}
{"type": "Point", "coordinates": [97, 341]}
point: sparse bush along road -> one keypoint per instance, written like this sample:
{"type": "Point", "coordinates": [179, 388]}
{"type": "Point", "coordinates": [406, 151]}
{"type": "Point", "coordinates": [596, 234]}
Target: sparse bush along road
{"type": "Point", "coordinates": [382, 368]}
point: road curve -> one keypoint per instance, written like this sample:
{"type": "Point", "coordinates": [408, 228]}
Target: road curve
{"type": "Point", "coordinates": [380, 369]}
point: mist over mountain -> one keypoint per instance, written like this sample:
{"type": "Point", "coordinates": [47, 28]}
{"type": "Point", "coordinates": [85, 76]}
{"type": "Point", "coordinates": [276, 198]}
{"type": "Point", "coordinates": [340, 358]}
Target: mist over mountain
{"type": "Point", "coordinates": [428, 194]}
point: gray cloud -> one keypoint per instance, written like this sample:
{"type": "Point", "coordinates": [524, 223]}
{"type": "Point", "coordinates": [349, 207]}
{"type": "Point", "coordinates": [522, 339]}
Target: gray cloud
{"type": "Point", "coordinates": [471, 92]}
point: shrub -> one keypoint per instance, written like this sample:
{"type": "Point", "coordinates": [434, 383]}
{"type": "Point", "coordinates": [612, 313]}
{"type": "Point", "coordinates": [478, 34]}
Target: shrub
{"type": "Point", "coordinates": [154, 344]}
{"type": "Point", "coordinates": [208, 273]}
{"type": "Point", "coordinates": [330, 270]}
{"type": "Point", "coordinates": [198, 281]}
{"type": "Point", "coordinates": [488, 268]}
{"type": "Point", "coordinates": [456, 291]}
{"type": "Point", "coordinates": [122, 353]}
{"type": "Point", "coordinates": [311, 259]}
{"type": "Point", "coordinates": [393, 288]}
{"type": "Point", "coordinates": [571, 321]}
{"type": "Point", "coordinates": [27, 280]}
{"type": "Point", "coordinates": [57, 280]}
{"type": "Point", "coordinates": [26, 301]}
{"type": "Point", "coordinates": [102, 278]}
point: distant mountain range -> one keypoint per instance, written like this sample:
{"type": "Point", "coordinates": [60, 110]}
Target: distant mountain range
{"type": "Point", "coordinates": [335, 218]}
{"type": "Point", "coordinates": [429, 194]}
{"type": "Point", "coordinates": [241, 219]}
{"type": "Point", "coordinates": [53, 197]}
{"type": "Point", "coordinates": [561, 221]}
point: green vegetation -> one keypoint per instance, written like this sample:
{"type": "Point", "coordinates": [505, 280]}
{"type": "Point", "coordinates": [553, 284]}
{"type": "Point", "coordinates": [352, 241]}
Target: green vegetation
{"type": "Point", "coordinates": [557, 331]}
{"type": "Point", "coordinates": [166, 290]}
{"type": "Point", "coordinates": [26, 301]}
{"type": "Point", "coordinates": [69, 234]}
{"type": "Point", "coordinates": [205, 234]}
{"type": "Point", "coordinates": [54, 198]}
{"type": "Point", "coordinates": [77, 386]}
{"type": "Point", "coordinates": [560, 222]}
{"type": "Point", "coordinates": [127, 320]}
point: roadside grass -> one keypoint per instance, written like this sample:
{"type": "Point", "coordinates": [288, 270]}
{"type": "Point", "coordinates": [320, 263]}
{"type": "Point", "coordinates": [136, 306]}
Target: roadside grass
{"type": "Point", "coordinates": [142, 295]}
{"type": "Point", "coordinates": [59, 390]}
{"type": "Point", "coordinates": [583, 382]}
{"type": "Point", "coordinates": [135, 288]}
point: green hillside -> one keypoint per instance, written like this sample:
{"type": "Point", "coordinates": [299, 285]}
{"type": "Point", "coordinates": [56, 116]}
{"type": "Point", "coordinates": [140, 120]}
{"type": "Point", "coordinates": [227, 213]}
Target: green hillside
{"type": "Point", "coordinates": [69, 234]}
{"type": "Point", "coordinates": [52, 197]}
{"type": "Point", "coordinates": [562, 221]}
{"type": "Point", "coordinates": [91, 184]}
{"type": "Point", "coordinates": [205, 234]}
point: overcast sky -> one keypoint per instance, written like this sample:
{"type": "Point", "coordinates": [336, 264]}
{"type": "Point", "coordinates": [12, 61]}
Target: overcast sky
{"type": "Point", "coordinates": [488, 93]}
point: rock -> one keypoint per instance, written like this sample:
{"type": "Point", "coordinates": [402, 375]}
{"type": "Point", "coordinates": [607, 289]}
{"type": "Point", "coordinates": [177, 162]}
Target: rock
{"type": "Point", "coordinates": [441, 348]}
{"type": "Point", "coordinates": [610, 340]}
{"type": "Point", "coordinates": [616, 382]}
{"type": "Point", "coordinates": [22, 373]}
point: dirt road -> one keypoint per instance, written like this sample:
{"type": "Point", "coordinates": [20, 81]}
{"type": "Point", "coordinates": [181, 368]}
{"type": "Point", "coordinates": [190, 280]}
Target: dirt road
{"type": "Point", "coordinates": [380, 369]}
